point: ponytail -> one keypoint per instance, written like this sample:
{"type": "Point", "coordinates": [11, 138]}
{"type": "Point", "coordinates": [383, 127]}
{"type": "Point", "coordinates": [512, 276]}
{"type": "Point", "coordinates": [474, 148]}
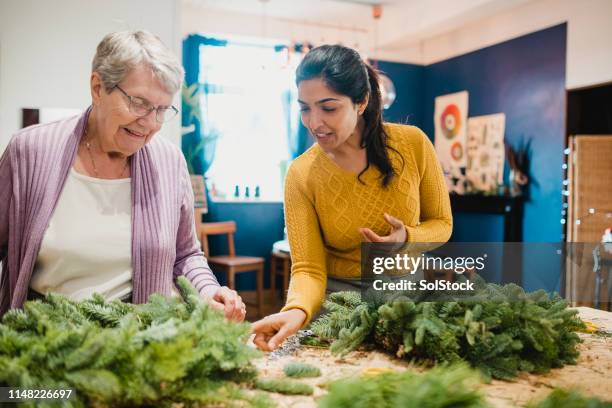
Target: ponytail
{"type": "Point", "coordinates": [374, 137]}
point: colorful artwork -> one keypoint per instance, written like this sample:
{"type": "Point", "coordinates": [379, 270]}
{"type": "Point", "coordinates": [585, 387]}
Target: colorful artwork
{"type": "Point", "coordinates": [485, 151]}
{"type": "Point", "coordinates": [457, 151]}
{"type": "Point", "coordinates": [199, 192]}
{"type": "Point", "coordinates": [450, 117]}
{"type": "Point", "coordinates": [450, 121]}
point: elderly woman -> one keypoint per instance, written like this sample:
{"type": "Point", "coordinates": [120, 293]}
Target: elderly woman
{"type": "Point", "coordinates": [96, 203]}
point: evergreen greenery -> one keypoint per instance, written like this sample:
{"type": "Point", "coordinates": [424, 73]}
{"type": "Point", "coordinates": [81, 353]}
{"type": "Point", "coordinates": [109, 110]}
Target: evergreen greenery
{"type": "Point", "coordinates": [283, 386]}
{"type": "Point", "coordinates": [500, 329]}
{"type": "Point", "coordinates": [118, 354]}
{"type": "Point", "coordinates": [314, 341]}
{"type": "Point", "coordinates": [301, 370]}
{"type": "Point", "coordinates": [441, 387]}
{"type": "Point", "coordinates": [569, 399]}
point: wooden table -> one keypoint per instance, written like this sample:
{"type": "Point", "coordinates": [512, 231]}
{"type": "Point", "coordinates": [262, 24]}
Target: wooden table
{"type": "Point", "coordinates": [591, 375]}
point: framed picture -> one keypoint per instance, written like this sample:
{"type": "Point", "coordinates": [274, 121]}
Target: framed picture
{"type": "Point", "coordinates": [485, 151]}
{"type": "Point", "coordinates": [35, 116]}
{"type": "Point", "coordinates": [199, 193]}
{"type": "Point", "coordinates": [450, 120]}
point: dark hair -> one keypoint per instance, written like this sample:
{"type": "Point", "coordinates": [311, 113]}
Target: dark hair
{"type": "Point", "coordinates": [343, 70]}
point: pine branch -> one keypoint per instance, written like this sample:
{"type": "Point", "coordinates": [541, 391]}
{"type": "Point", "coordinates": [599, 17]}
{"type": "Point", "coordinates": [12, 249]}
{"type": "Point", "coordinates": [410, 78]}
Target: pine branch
{"type": "Point", "coordinates": [282, 386]}
{"type": "Point", "coordinates": [452, 386]}
{"type": "Point", "coordinates": [301, 370]}
{"type": "Point", "coordinates": [500, 329]}
{"type": "Point", "coordinates": [115, 354]}
{"type": "Point", "coordinates": [569, 399]}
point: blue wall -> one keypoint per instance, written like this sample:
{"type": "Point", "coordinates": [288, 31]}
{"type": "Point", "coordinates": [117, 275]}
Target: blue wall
{"type": "Point", "coordinates": [525, 79]}
{"type": "Point", "coordinates": [409, 87]}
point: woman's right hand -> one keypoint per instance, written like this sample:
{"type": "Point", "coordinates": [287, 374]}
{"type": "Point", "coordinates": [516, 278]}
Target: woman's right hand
{"type": "Point", "coordinates": [271, 331]}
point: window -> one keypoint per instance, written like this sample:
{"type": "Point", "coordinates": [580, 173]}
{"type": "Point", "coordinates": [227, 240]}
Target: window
{"type": "Point", "coordinates": [246, 104]}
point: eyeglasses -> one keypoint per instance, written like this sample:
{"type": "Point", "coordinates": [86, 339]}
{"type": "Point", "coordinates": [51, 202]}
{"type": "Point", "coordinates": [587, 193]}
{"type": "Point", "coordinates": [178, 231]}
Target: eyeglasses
{"type": "Point", "coordinates": [141, 108]}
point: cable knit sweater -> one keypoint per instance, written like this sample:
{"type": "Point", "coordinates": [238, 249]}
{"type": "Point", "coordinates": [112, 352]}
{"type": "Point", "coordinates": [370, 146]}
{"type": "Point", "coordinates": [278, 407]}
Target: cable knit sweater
{"type": "Point", "coordinates": [325, 206]}
{"type": "Point", "coordinates": [33, 171]}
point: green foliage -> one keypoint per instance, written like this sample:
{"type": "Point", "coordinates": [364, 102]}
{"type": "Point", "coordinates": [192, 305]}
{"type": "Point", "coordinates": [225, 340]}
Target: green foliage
{"type": "Point", "coordinates": [200, 149]}
{"type": "Point", "coordinates": [314, 341]}
{"type": "Point", "coordinates": [191, 97]}
{"type": "Point", "coordinates": [500, 329]}
{"type": "Point", "coordinates": [339, 305]}
{"type": "Point", "coordinates": [301, 370]}
{"type": "Point", "coordinates": [118, 354]}
{"type": "Point", "coordinates": [569, 399]}
{"type": "Point", "coordinates": [440, 387]}
{"type": "Point", "coordinates": [283, 386]}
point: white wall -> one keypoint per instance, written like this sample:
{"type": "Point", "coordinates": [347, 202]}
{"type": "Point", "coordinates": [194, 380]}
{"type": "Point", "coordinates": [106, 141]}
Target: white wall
{"type": "Point", "coordinates": [46, 46]}
{"type": "Point", "coordinates": [589, 30]}
{"type": "Point", "coordinates": [207, 21]}
{"type": "Point", "coordinates": [46, 49]}
{"type": "Point", "coordinates": [589, 53]}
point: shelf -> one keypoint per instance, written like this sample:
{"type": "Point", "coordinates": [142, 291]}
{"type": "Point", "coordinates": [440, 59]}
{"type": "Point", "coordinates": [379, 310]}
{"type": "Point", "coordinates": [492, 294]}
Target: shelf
{"type": "Point", "coordinates": [511, 208]}
{"type": "Point", "coordinates": [474, 203]}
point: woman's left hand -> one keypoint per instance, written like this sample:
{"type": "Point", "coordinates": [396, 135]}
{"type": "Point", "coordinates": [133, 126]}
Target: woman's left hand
{"type": "Point", "coordinates": [229, 302]}
{"type": "Point", "coordinates": [398, 232]}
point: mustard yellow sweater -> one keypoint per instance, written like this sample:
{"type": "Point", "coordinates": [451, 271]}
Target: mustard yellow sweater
{"type": "Point", "coordinates": [325, 206]}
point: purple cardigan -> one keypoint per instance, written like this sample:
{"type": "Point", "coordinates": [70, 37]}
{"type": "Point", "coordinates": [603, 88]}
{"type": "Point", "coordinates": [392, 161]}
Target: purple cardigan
{"type": "Point", "coordinates": [33, 170]}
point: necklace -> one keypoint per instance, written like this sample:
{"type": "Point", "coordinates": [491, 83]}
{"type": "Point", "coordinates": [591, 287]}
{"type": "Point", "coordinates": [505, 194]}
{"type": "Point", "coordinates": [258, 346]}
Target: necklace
{"type": "Point", "coordinates": [93, 162]}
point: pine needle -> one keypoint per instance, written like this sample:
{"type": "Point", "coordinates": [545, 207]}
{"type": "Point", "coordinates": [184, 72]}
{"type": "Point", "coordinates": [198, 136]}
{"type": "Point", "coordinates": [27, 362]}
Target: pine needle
{"type": "Point", "coordinates": [116, 354]}
{"type": "Point", "coordinates": [282, 386]}
{"type": "Point", "coordinates": [301, 370]}
{"type": "Point", "coordinates": [501, 330]}
{"type": "Point", "coordinates": [569, 399]}
{"type": "Point", "coordinates": [441, 387]}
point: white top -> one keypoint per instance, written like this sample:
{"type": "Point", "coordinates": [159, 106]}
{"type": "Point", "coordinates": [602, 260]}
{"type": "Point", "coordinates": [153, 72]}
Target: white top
{"type": "Point", "coordinates": [87, 247]}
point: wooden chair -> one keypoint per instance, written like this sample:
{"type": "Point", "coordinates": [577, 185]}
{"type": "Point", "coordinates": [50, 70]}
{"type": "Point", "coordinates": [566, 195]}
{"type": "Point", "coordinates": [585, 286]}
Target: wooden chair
{"type": "Point", "coordinates": [232, 264]}
{"type": "Point", "coordinates": [283, 260]}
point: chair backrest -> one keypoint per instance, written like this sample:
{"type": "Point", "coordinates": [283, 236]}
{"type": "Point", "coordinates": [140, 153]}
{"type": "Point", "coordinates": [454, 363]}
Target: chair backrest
{"type": "Point", "coordinates": [217, 228]}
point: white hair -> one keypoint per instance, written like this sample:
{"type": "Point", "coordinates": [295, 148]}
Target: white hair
{"type": "Point", "coordinates": [119, 52]}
